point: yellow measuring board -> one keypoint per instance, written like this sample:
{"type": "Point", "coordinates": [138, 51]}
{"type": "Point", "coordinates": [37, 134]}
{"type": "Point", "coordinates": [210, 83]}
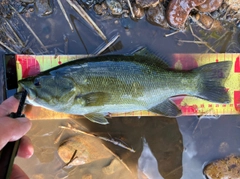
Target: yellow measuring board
{"type": "Point", "coordinates": [29, 65]}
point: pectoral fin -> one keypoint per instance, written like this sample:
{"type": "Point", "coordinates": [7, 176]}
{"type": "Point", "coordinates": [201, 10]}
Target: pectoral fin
{"type": "Point", "coordinates": [97, 118]}
{"type": "Point", "coordinates": [166, 108]}
{"type": "Point", "coordinates": [94, 99]}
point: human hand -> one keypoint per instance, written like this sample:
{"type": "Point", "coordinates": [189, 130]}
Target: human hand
{"type": "Point", "coordinates": [12, 130]}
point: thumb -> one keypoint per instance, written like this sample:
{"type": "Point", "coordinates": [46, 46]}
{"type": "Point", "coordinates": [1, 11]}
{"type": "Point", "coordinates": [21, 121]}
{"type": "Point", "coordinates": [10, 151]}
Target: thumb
{"type": "Point", "coordinates": [18, 173]}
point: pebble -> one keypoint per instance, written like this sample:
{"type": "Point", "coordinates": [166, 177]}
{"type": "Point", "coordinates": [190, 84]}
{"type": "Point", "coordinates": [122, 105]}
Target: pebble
{"type": "Point", "coordinates": [89, 149]}
{"type": "Point", "coordinates": [227, 168]}
{"type": "Point", "coordinates": [156, 15]}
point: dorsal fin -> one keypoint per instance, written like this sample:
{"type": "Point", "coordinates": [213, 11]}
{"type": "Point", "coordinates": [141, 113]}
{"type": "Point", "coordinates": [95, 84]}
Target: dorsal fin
{"type": "Point", "coordinates": [152, 56]}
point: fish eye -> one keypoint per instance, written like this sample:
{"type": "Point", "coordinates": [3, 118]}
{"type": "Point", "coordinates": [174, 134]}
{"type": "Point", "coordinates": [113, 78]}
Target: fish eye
{"type": "Point", "coordinates": [37, 83]}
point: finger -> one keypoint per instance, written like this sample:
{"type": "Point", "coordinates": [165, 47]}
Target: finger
{"type": "Point", "coordinates": [8, 106]}
{"type": "Point", "coordinates": [18, 173]}
{"type": "Point", "coordinates": [25, 147]}
{"type": "Point", "coordinates": [13, 129]}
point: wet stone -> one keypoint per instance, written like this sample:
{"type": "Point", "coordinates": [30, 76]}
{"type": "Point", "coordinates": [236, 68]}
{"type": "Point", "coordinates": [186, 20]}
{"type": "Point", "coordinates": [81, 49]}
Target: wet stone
{"type": "Point", "coordinates": [156, 15]}
{"type": "Point", "coordinates": [222, 169]}
{"type": "Point", "coordinates": [88, 149]}
{"type": "Point", "coordinates": [178, 11]}
{"type": "Point", "coordinates": [100, 9]}
{"type": "Point", "coordinates": [138, 11]}
{"type": "Point", "coordinates": [210, 5]}
{"type": "Point", "coordinates": [114, 6]}
{"type": "Point", "coordinates": [207, 22]}
{"type": "Point", "coordinates": [235, 4]}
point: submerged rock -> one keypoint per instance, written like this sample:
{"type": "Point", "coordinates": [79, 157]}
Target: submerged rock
{"type": "Point", "coordinates": [88, 149]}
{"type": "Point", "coordinates": [225, 168]}
{"type": "Point", "coordinates": [114, 166]}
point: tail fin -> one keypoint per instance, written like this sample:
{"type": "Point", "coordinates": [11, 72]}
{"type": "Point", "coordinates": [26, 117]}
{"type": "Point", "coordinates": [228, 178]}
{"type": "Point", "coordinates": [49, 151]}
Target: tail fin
{"type": "Point", "coordinates": [211, 81]}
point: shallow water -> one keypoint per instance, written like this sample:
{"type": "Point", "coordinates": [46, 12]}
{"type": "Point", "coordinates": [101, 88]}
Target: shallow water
{"type": "Point", "coordinates": [211, 140]}
{"type": "Point", "coordinates": [54, 32]}
{"type": "Point", "coordinates": [174, 148]}
{"type": "Point", "coordinates": [162, 135]}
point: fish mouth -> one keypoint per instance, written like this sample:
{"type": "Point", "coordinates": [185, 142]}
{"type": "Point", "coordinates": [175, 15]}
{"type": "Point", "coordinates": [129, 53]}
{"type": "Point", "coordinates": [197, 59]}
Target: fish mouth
{"type": "Point", "coordinates": [30, 92]}
{"type": "Point", "coordinates": [18, 95]}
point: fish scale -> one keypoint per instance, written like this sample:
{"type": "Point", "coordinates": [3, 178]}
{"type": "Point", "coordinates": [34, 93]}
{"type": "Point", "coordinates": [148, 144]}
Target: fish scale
{"type": "Point", "coordinates": [109, 81]}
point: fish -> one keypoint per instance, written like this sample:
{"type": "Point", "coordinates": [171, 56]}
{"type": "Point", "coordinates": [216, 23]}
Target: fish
{"type": "Point", "coordinates": [96, 86]}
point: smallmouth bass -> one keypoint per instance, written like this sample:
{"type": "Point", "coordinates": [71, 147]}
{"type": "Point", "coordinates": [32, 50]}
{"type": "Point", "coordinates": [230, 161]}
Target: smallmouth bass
{"type": "Point", "coordinates": [96, 86]}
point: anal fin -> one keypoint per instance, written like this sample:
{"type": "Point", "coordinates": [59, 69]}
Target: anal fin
{"type": "Point", "coordinates": [166, 108]}
{"type": "Point", "coordinates": [97, 118]}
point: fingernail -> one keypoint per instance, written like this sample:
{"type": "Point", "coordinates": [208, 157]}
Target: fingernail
{"type": "Point", "coordinates": [23, 119]}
